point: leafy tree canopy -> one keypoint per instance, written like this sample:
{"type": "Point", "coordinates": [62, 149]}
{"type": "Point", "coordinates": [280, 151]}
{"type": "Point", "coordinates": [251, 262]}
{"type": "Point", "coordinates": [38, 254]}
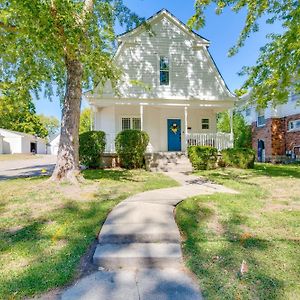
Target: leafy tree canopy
{"type": "Point", "coordinates": [276, 73]}
{"type": "Point", "coordinates": [85, 120]}
{"type": "Point", "coordinates": [38, 38]}
{"type": "Point", "coordinates": [20, 116]}
{"type": "Point", "coordinates": [50, 123]}
{"type": "Point", "coordinates": [241, 131]}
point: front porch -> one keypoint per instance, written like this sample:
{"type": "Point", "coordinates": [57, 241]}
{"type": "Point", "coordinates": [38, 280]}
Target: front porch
{"type": "Point", "coordinates": [172, 125]}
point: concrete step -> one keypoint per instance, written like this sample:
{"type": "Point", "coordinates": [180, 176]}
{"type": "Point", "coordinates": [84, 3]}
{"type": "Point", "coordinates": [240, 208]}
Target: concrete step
{"type": "Point", "coordinates": [138, 255]}
{"type": "Point", "coordinates": [139, 233]}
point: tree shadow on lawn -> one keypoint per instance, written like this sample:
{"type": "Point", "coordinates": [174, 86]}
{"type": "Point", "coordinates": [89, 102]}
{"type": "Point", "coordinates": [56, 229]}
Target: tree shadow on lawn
{"type": "Point", "coordinates": [53, 254]}
{"type": "Point", "coordinates": [216, 260]}
{"type": "Point", "coordinates": [117, 175]}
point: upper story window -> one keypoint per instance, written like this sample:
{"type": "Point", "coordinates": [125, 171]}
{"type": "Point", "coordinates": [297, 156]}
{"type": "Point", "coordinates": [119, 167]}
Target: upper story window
{"type": "Point", "coordinates": [294, 125]}
{"type": "Point", "coordinates": [205, 123]}
{"type": "Point", "coordinates": [164, 71]}
{"type": "Point", "coordinates": [261, 121]}
{"type": "Point", "coordinates": [131, 123]}
{"type": "Point", "coordinates": [248, 111]}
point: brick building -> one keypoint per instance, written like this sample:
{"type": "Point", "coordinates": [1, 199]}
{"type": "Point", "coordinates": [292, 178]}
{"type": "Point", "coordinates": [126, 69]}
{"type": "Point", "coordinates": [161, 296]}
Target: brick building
{"type": "Point", "coordinates": [275, 131]}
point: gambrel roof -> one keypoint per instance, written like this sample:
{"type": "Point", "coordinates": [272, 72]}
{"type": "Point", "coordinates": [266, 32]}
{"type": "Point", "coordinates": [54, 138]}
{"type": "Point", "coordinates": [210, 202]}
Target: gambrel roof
{"type": "Point", "coordinates": [193, 72]}
{"type": "Point", "coordinates": [153, 19]}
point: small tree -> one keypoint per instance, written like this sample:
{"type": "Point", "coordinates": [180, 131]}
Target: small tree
{"type": "Point", "coordinates": [51, 123]}
{"type": "Point", "coordinates": [242, 131]}
{"type": "Point", "coordinates": [85, 120]}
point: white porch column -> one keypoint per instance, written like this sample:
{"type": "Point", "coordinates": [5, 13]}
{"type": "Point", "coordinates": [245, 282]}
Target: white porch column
{"type": "Point", "coordinates": [231, 126]}
{"type": "Point", "coordinates": [185, 126]}
{"type": "Point", "coordinates": [142, 116]}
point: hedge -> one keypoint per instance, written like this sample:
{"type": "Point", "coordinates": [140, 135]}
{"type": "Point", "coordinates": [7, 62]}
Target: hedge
{"type": "Point", "coordinates": [91, 148]}
{"type": "Point", "coordinates": [238, 157]}
{"type": "Point", "coordinates": [131, 147]}
{"type": "Point", "coordinates": [203, 157]}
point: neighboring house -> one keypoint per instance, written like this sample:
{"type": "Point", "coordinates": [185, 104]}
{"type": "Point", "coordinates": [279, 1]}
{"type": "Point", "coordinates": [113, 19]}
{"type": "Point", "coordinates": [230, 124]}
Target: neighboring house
{"type": "Point", "coordinates": [171, 88]}
{"type": "Point", "coordinates": [53, 144]}
{"type": "Point", "coordinates": [20, 142]}
{"type": "Point", "coordinates": [275, 131]}
{"type": "Point", "coordinates": [1, 144]}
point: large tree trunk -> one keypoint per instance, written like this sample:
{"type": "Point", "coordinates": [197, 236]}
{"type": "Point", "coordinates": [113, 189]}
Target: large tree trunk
{"type": "Point", "coordinates": [67, 166]}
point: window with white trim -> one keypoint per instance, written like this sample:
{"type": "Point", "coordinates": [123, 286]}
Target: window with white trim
{"type": "Point", "coordinates": [131, 123]}
{"type": "Point", "coordinates": [294, 125]}
{"type": "Point", "coordinates": [261, 121]}
{"type": "Point", "coordinates": [164, 71]}
{"type": "Point", "coordinates": [205, 123]}
{"type": "Point", "coordinates": [248, 111]}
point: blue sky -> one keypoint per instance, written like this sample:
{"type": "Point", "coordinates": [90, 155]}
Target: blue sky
{"type": "Point", "coordinates": [222, 31]}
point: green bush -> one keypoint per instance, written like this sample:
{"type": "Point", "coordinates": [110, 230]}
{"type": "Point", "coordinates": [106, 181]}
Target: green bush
{"type": "Point", "coordinates": [131, 147]}
{"type": "Point", "coordinates": [238, 157]}
{"type": "Point", "coordinates": [91, 148]}
{"type": "Point", "coordinates": [203, 157]}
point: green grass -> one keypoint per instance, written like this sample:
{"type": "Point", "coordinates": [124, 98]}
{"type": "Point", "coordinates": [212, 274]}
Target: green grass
{"type": "Point", "coordinates": [260, 225]}
{"type": "Point", "coordinates": [45, 228]}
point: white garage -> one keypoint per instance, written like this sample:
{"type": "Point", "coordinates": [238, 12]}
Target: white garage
{"type": "Point", "coordinates": [20, 142]}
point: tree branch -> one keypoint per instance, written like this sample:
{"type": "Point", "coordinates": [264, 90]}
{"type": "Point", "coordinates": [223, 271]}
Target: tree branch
{"type": "Point", "coordinates": [8, 27]}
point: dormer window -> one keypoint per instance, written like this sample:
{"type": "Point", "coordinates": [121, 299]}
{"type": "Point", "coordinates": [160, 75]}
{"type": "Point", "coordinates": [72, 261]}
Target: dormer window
{"type": "Point", "coordinates": [164, 71]}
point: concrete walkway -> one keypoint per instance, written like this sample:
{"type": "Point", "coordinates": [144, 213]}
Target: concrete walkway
{"type": "Point", "coordinates": [139, 252]}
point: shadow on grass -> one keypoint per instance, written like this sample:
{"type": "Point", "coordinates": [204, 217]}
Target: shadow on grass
{"type": "Point", "coordinates": [216, 260]}
{"type": "Point", "coordinates": [53, 246]}
{"type": "Point", "coordinates": [118, 175]}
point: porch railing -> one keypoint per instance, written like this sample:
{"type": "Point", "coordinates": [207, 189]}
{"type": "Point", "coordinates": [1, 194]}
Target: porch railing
{"type": "Point", "coordinates": [218, 140]}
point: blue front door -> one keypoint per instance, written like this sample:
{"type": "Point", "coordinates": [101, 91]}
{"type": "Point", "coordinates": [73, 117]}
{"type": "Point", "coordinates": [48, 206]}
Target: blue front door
{"type": "Point", "coordinates": [174, 134]}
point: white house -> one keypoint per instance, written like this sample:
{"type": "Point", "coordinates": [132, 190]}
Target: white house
{"type": "Point", "coordinates": [54, 144]}
{"type": "Point", "coordinates": [20, 142]}
{"type": "Point", "coordinates": [171, 88]}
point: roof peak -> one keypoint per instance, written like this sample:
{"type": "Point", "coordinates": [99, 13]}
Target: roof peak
{"type": "Point", "coordinates": [168, 14]}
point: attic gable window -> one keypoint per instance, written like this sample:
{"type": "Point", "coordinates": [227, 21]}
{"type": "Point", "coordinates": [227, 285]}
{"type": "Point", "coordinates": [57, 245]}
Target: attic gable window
{"type": "Point", "coordinates": [164, 71]}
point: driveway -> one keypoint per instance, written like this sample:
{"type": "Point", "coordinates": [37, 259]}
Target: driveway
{"type": "Point", "coordinates": [41, 165]}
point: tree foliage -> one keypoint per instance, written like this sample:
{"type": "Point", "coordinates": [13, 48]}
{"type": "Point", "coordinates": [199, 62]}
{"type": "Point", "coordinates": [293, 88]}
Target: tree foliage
{"type": "Point", "coordinates": [50, 123]}
{"type": "Point", "coordinates": [241, 131]}
{"type": "Point", "coordinates": [21, 116]}
{"type": "Point", "coordinates": [85, 120]}
{"type": "Point", "coordinates": [276, 73]}
{"type": "Point", "coordinates": [68, 44]}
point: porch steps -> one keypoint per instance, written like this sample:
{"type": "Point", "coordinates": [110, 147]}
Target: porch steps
{"type": "Point", "coordinates": [168, 162]}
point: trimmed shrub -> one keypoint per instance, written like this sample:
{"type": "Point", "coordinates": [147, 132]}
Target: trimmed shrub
{"type": "Point", "coordinates": [203, 157]}
{"type": "Point", "coordinates": [131, 147]}
{"type": "Point", "coordinates": [238, 157]}
{"type": "Point", "coordinates": [91, 148]}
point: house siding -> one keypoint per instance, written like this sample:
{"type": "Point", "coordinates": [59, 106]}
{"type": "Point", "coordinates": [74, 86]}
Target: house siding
{"type": "Point", "coordinates": [192, 71]}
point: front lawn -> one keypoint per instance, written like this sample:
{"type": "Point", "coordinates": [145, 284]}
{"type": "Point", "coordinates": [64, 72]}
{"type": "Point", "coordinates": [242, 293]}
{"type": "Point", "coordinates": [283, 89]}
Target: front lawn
{"type": "Point", "coordinates": [261, 226]}
{"type": "Point", "coordinates": [45, 228]}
